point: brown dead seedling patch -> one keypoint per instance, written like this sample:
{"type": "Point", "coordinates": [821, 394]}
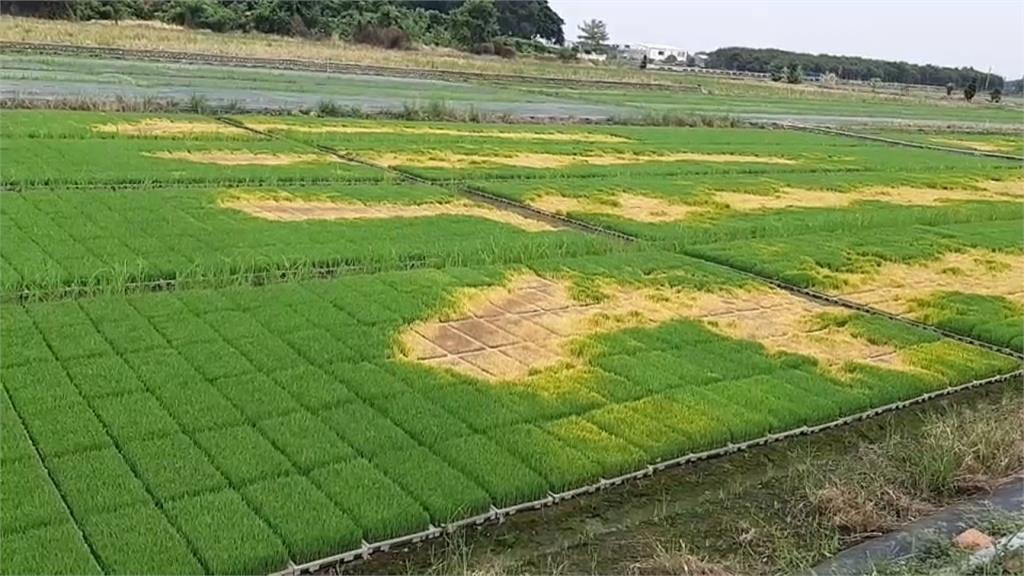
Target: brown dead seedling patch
{"type": "Point", "coordinates": [529, 324]}
{"type": "Point", "coordinates": [291, 209]}
{"type": "Point", "coordinates": [894, 287]}
{"type": "Point", "coordinates": [433, 131]}
{"type": "Point", "coordinates": [631, 206]}
{"type": "Point", "coordinates": [241, 157]}
{"type": "Point", "coordinates": [166, 128]}
{"type": "Point", "coordinates": [652, 209]}
{"type": "Point", "coordinates": [441, 159]}
{"type": "Point", "coordinates": [993, 146]}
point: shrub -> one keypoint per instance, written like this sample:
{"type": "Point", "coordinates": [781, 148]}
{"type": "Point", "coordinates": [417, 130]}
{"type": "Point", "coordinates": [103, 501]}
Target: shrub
{"type": "Point", "coordinates": [387, 37]}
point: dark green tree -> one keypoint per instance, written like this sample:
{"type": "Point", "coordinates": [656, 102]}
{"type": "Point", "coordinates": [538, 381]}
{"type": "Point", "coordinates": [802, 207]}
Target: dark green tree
{"type": "Point", "coordinates": [971, 90]}
{"type": "Point", "coordinates": [794, 74]}
{"type": "Point", "coordinates": [473, 24]}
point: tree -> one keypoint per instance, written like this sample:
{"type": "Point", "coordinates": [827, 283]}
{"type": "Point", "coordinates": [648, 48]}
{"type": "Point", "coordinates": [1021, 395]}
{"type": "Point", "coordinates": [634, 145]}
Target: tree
{"type": "Point", "coordinates": [949, 89]}
{"type": "Point", "coordinates": [474, 23]}
{"type": "Point", "coordinates": [794, 74]}
{"type": "Point", "coordinates": [593, 34]}
{"type": "Point", "coordinates": [643, 62]}
{"type": "Point", "coordinates": [971, 90]}
{"type": "Point", "coordinates": [996, 95]}
{"type": "Point", "coordinates": [529, 19]}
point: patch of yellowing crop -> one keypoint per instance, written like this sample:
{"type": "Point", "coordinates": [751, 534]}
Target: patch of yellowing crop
{"type": "Point", "coordinates": [517, 330]}
{"type": "Point", "coordinates": [653, 209]}
{"type": "Point", "coordinates": [991, 146]}
{"type": "Point", "coordinates": [434, 131]}
{"type": "Point", "coordinates": [442, 159]}
{"type": "Point", "coordinates": [291, 209]}
{"type": "Point", "coordinates": [894, 287]}
{"type": "Point", "coordinates": [166, 127]}
{"type": "Point", "coordinates": [241, 157]}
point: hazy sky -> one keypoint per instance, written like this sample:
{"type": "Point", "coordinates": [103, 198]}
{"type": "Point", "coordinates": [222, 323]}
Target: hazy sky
{"type": "Point", "coordinates": [979, 33]}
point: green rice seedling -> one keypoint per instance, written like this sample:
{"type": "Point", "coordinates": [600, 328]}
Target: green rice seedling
{"type": "Point", "coordinates": [685, 411]}
{"type": "Point", "coordinates": [62, 425]}
{"type": "Point", "coordinates": [613, 455]}
{"type": "Point", "coordinates": [76, 341]}
{"type": "Point", "coordinates": [243, 455]}
{"type": "Point", "coordinates": [559, 464]}
{"type": "Point", "coordinates": [989, 318]}
{"type": "Point", "coordinates": [366, 430]}
{"type": "Point", "coordinates": [52, 549]}
{"type": "Point", "coordinates": [305, 440]}
{"type": "Point", "coordinates": [420, 419]}
{"type": "Point", "coordinates": [15, 444]}
{"type": "Point", "coordinates": [139, 540]}
{"type": "Point", "coordinates": [188, 473]}
{"type": "Point", "coordinates": [623, 422]}
{"type": "Point", "coordinates": [268, 353]}
{"type": "Point", "coordinates": [505, 478]}
{"type": "Point", "coordinates": [480, 409]}
{"type": "Point", "coordinates": [96, 481]}
{"type": "Point", "coordinates": [313, 389]}
{"type": "Point", "coordinates": [215, 359]}
{"type": "Point", "coordinates": [226, 535]}
{"type": "Point", "coordinates": [256, 396]}
{"type": "Point", "coordinates": [375, 503]}
{"type": "Point", "coordinates": [133, 335]}
{"type": "Point", "coordinates": [319, 348]}
{"type": "Point", "coordinates": [134, 417]}
{"type": "Point", "coordinates": [303, 517]}
{"type": "Point", "coordinates": [878, 330]}
{"type": "Point", "coordinates": [22, 345]}
{"type": "Point", "coordinates": [368, 381]}
{"type": "Point", "coordinates": [185, 329]}
{"type": "Point", "coordinates": [29, 499]}
{"type": "Point", "coordinates": [444, 493]}
{"type": "Point", "coordinates": [101, 376]}
{"type": "Point", "coordinates": [761, 410]}
{"type": "Point", "coordinates": [957, 362]}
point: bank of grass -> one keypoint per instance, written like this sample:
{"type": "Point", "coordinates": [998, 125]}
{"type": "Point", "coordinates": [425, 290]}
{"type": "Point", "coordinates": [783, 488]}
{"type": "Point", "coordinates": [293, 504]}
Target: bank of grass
{"type": "Point", "coordinates": [153, 36]}
{"type": "Point", "coordinates": [775, 510]}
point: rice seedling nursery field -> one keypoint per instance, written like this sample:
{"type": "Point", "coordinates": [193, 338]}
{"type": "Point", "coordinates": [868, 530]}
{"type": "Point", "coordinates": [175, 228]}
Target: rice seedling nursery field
{"type": "Point", "coordinates": [228, 346]}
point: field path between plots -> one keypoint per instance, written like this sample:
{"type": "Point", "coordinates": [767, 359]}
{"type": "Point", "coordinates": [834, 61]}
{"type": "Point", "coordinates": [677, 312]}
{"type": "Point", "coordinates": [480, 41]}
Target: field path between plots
{"type": "Point", "coordinates": [553, 219]}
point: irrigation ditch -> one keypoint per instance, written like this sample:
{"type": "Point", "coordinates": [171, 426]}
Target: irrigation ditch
{"type": "Point", "coordinates": [498, 515]}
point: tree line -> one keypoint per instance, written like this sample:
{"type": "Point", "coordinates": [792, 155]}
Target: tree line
{"type": "Point", "coordinates": [772, 61]}
{"type": "Point", "coordinates": [473, 25]}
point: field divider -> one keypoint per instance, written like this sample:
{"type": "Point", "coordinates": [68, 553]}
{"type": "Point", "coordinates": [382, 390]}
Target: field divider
{"type": "Point", "coordinates": [498, 515]}
{"type": "Point", "coordinates": [522, 209]}
{"type": "Point", "coordinates": [896, 142]}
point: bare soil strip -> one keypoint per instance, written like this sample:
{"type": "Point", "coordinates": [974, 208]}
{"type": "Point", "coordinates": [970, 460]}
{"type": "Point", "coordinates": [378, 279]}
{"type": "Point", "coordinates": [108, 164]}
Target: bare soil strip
{"type": "Point", "coordinates": [444, 159]}
{"type": "Point", "coordinates": [525, 326]}
{"type": "Point", "coordinates": [894, 287]}
{"type": "Point", "coordinates": [167, 128]}
{"type": "Point", "coordinates": [296, 210]}
{"type": "Point", "coordinates": [652, 209]}
{"type": "Point", "coordinates": [242, 157]}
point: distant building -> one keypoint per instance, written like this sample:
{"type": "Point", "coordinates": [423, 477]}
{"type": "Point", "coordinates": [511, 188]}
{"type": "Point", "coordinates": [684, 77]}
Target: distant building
{"type": "Point", "coordinates": [659, 53]}
{"type": "Point", "coordinates": [700, 59]}
{"type": "Point", "coordinates": [654, 52]}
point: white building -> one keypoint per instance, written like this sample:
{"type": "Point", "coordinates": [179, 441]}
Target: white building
{"type": "Point", "coordinates": [659, 53]}
{"type": "Point", "coordinates": [654, 52]}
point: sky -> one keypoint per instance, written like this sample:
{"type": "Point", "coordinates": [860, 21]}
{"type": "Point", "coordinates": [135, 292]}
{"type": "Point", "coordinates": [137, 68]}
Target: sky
{"type": "Point", "coordinates": [978, 33]}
